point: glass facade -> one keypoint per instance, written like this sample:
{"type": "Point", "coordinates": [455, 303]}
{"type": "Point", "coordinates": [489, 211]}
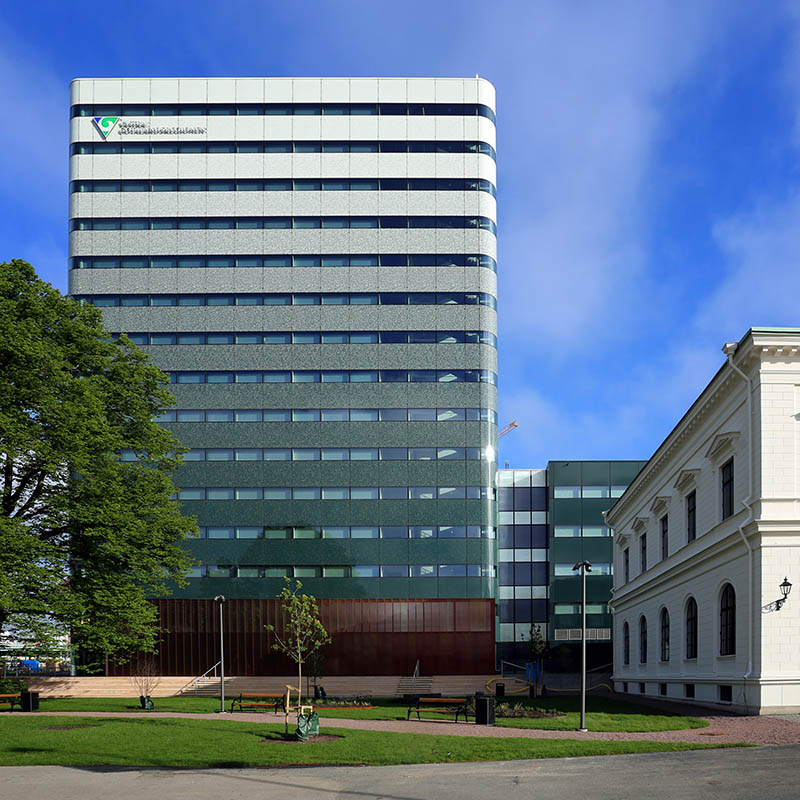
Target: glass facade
{"type": "Point", "coordinates": [549, 520]}
{"type": "Point", "coordinates": [579, 492]}
{"type": "Point", "coordinates": [522, 568]}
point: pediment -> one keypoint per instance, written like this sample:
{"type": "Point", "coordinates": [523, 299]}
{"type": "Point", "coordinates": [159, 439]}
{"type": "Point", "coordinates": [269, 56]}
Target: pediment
{"type": "Point", "coordinates": [640, 524]}
{"type": "Point", "coordinates": [659, 505]}
{"type": "Point", "coordinates": [722, 444]}
{"type": "Point", "coordinates": [686, 479]}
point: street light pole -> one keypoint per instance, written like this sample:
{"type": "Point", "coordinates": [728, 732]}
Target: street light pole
{"type": "Point", "coordinates": [584, 567]}
{"type": "Point", "coordinates": [221, 600]}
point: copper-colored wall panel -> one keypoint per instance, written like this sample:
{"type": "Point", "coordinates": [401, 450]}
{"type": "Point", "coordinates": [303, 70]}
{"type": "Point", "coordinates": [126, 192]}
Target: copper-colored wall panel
{"type": "Point", "coordinates": [369, 637]}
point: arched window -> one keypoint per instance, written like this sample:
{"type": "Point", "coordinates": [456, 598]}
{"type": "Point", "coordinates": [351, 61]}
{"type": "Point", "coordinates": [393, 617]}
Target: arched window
{"type": "Point", "coordinates": [642, 640]}
{"type": "Point", "coordinates": [691, 628]}
{"type": "Point", "coordinates": [626, 644]}
{"type": "Point", "coordinates": [727, 621]}
{"type": "Point", "coordinates": [664, 634]}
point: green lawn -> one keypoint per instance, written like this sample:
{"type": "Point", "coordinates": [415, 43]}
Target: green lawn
{"type": "Point", "coordinates": [603, 713]}
{"type": "Point", "coordinates": [31, 740]}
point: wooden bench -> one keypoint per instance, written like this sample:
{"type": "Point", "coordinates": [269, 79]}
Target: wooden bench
{"type": "Point", "coordinates": [447, 705]}
{"type": "Point", "coordinates": [259, 700]}
{"type": "Point", "coordinates": [12, 700]}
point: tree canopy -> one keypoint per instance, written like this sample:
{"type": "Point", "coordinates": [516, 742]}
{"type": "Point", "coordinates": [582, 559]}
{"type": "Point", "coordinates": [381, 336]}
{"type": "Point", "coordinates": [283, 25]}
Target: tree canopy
{"type": "Point", "coordinates": [85, 537]}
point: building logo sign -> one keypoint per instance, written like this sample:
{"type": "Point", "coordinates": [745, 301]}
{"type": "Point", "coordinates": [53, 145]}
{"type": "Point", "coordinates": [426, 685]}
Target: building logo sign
{"type": "Point", "coordinates": [135, 127]}
{"type": "Point", "coordinates": [105, 125]}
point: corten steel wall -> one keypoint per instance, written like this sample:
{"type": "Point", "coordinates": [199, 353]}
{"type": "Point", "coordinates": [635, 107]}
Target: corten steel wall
{"type": "Point", "coordinates": [369, 637]}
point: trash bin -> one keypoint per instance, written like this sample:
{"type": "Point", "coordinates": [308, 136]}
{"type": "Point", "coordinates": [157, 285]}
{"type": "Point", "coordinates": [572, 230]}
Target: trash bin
{"type": "Point", "coordinates": [30, 701]}
{"type": "Point", "coordinates": [499, 690]}
{"type": "Point", "coordinates": [484, 709]}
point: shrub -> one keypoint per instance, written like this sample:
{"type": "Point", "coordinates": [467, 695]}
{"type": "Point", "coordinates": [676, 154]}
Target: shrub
{"type": "Point", "coordinates": [12, 686]}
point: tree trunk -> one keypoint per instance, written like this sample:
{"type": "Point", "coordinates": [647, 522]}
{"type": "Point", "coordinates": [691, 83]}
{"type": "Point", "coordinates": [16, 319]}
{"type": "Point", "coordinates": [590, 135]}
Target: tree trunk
{"type": "Point", "coordinates": [299, 683]}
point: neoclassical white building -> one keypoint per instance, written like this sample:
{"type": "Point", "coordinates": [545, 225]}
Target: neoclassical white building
{"type": "Point", "coordinates": [705, 536]}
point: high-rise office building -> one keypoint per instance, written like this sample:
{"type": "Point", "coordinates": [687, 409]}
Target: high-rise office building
{"type": "Point", "coordinates": [313, 262]}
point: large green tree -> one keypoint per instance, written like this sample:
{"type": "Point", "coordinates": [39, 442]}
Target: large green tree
{"type": "Point", "coordinates": [85, 536]}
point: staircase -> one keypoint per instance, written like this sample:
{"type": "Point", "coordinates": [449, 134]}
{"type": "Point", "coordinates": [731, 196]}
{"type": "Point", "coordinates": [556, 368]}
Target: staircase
{"type": "Point", "coordinates": [206, 685]}
{"type": "Point", "coordinates": [414, 685]}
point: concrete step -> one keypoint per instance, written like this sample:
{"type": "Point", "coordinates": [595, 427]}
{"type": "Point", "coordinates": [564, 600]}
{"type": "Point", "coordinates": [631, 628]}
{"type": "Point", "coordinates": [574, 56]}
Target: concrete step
{"type": "Point", "coordinates": [173, 686]}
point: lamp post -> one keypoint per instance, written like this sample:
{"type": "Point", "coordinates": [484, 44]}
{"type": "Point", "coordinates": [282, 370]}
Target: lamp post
{"type": "Point", "coordinates": [221, 600]}
{"type": "Point", "coordinates": [584, 567]}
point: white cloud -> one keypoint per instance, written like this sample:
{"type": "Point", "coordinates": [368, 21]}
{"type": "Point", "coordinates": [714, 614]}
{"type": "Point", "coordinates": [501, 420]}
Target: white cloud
{"type": "Point", "coordinates": [594, 106]}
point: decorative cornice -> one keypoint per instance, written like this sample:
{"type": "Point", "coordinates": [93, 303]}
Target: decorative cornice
{"type": "Point", "coordinates": [640, 524]}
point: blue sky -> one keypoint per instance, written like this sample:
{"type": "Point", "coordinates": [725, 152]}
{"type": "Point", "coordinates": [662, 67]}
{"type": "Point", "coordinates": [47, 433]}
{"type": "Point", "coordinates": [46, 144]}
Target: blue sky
{"type": "Point", "coordinates": [649, 193]}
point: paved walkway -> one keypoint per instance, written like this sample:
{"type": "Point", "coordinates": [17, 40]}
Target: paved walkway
{"type": "Point", "coordinates": [722, 729]}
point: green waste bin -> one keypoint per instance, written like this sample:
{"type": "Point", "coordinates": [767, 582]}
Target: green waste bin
{"type": "Point", "coordinates": [307, 726]}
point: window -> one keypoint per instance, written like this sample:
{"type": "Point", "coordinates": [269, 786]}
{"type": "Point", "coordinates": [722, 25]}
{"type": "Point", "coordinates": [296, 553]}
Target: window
{"type": "Point", "coordinates": [643, 552]}
{"type": "Point", "coordinates": [691, 628]}
{"type": "Point", "coordinates": [285, 184]}
{"type": "Point", "coordinates": [642, 640]}
{"type": "Point", "coordinates": [664, 635]}
{"type": "Point", "coordinates": [726, 479]}
{"type": "Point", "coordinates": [308, 299]}
{"type": "Point", "coordinates": [691, 516]}
{"type": "Point", "coordinates": [299, 109]}
{"type": "Point", "coordinates": [626, 644]}
{"type": "Point", "coordinates": [257, 223]}
{"type": "Point", "coordinates": [727, 621]}
{"type": "Point", "coordinates": [626, 564]}
{"type": "Point", "coordinates": [664, 536]}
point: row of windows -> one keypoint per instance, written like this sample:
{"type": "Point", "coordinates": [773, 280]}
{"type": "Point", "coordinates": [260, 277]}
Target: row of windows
{"type": "Point", "coordinates": [304, 260]}
{"type": "Point", "coordinates": [330, 415]}
{"type": "Point", "coordinates": [575, 608]}
{"type": "Point", "coordinates": [287, 185]}
{"type": "Point", "coordinates": [348, 532]}
{"type": "Point", "coordinates": [339, 376]}
{"type": "Point", "coordinates": [355, 571]}
{"type": "Point", "coordinates": [522, 536]}
{"type": "Point", "coordinates": [585, 492]}
{"type": "Point", "coordinates": [295, 299]}
{"type": "Point", "coordinates": [326, 454]}
{"type": "Point", "coordinates": [282, 109]}
{"type": "Point", "coordinates": [726, 506]}
{"type": "Point", "coordinates": [521, 517]}
{"type": "Point", "coordinates": [568, 570]}
{"type": "Point", "coordinates": [578, 531]}
{"type": "Point", "coordinates": [242, 146]}
{"type": "Point", "coordinates": [727, 630]}
{"type": "Point", "coordinates": [278, 223]}
{"type": "Point", "coordinates": [521, 498]}
{"type": "Point", "coordinates": [337, 493]}
{"type": "Point", "coordinates": [315, 337]}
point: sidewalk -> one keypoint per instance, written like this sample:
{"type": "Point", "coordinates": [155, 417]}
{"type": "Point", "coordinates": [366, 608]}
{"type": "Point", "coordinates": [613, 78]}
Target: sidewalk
{"type": "Point", "coordinates": [721, 730]}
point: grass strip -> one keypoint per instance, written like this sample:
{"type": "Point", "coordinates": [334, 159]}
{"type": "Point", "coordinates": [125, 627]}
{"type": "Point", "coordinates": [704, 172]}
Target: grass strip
{"type": "Point", "coordinates": [158, 742]}
{"type": "Point", "coordinates": [603, 713]}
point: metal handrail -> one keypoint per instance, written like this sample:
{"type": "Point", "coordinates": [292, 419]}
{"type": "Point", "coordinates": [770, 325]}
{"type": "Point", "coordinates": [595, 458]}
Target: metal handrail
{"type": "Point", "coordinates": [203, 679]}
{"type": "Point", "coordinates": [519, 667]}
{"type": "Point", "coordinates": [415, 675]}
